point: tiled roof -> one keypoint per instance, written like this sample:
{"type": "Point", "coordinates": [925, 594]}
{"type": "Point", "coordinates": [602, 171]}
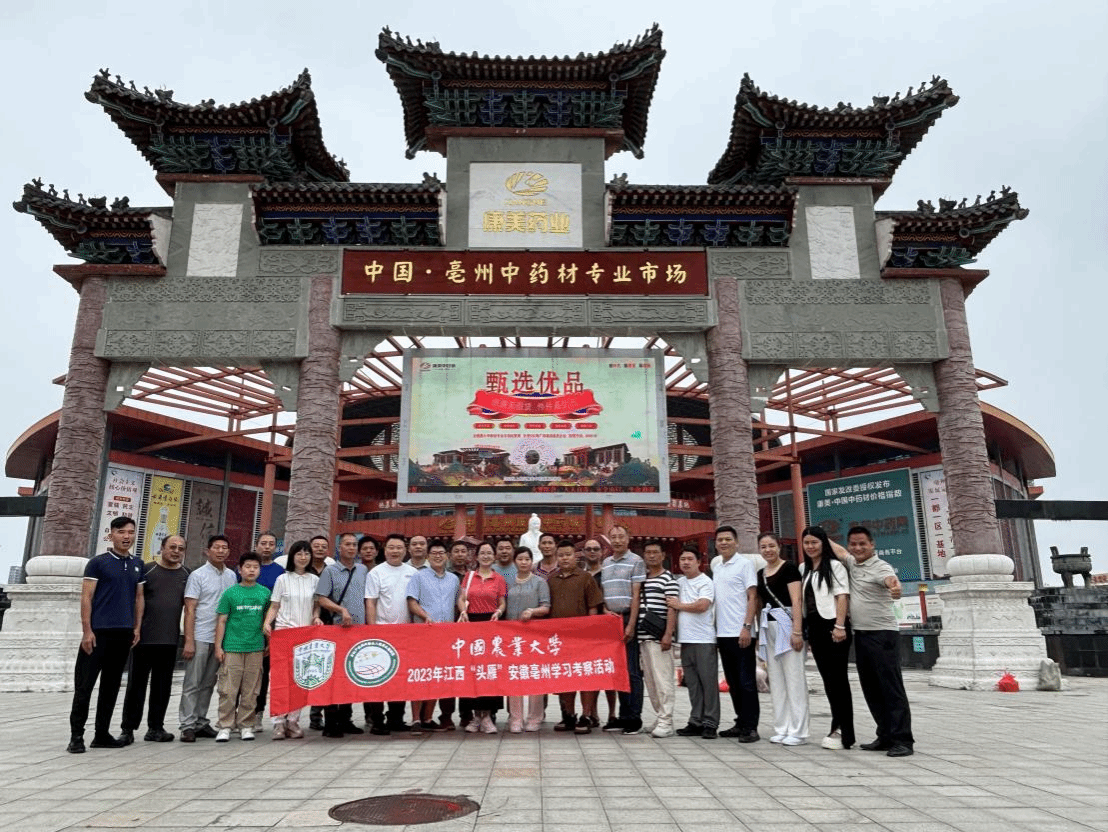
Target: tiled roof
{"type": "Point", "coordinates": [424, 193]}
{"type": "Point", "coordinates": [629, 68]}
{"type": "Point", "coordinates": [628, 197]}
{"type": "Point", "coordinates": [760, 117]}
{"type": "Point", "coordinates": [967, 225]}
{"type": "Point", "coordinates": [148, 117]}
{"type": "Point", "coordinates": [86, 221]}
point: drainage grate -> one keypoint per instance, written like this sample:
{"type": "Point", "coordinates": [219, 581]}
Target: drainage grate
{"type": "Point", "coordinates": [403, 809]}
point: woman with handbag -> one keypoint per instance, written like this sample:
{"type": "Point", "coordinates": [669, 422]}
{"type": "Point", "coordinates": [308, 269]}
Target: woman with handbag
{"type": "Point", "coordinates": [781, 644]}
{"type": "Point", "coordinates": [483, 597]}
{"type": "Point", "coordinates": [825, 587]}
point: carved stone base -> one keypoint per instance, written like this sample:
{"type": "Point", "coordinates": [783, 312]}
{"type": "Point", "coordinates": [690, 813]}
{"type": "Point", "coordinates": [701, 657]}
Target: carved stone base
{"type": "Point", "coordinates": [988, 630]}
{"type": "Point", "coordinates": [42, 630]}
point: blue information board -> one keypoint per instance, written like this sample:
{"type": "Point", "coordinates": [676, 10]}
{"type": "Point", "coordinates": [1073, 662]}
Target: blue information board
{"type": "Point", "coordinates": [883, 504]}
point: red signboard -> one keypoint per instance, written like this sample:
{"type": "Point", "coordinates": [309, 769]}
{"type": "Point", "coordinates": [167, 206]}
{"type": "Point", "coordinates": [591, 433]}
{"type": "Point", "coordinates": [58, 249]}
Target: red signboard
{"type": "Point", "coordinates": [394, 662]}
{"type": "Point", "coordinates": [433, 272]}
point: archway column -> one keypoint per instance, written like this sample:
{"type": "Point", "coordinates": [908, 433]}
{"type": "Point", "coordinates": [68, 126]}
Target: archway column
{"type": "Point", "coordinates": [315, 443]}
{"type": "Point", "coordinates": [43, 626]}
{"type": "Point", "coordinates": [988, 626]}
{"type": "Point", "coordinates": [736, 485]}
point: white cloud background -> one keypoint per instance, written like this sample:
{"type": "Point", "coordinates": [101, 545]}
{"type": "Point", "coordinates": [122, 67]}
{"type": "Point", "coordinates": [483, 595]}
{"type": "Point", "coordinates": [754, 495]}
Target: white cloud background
{"type": "Point", "coordinates": [1031, 77]}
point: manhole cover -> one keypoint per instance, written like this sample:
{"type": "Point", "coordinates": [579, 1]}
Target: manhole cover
{"type": "Point", "coordinates": [403, 809]}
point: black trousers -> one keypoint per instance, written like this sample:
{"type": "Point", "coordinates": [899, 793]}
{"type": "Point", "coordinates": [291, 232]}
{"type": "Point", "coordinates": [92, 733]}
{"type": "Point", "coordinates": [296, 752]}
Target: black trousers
{"type": "Point", "coordinates": [375, 712]}
{"type": "Point", "coordinates": [153, 664]}
{"type": "Point", "coordinates": [832, 658]}
{"type": "Point", "coordinates": [739, 665]}
{"type": "Point", "coordinates": [259, 709]}
{"type": "Point", "coordinates": [877, 657]}
{"type": "Point", "coordinates": [106, 662]}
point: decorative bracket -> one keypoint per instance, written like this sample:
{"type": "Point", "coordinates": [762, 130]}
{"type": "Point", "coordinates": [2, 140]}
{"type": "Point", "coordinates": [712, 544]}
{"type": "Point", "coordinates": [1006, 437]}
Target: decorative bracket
{"type": "Point", "coordinates": [762, 378]}
{"type": "Point", "coordinates": [122, 378]}
{"type": "Point", "coordinates": [354, 347]}
{"type": "Point", "coordinates": [921, 379]}
{"type": "Point", "coordinates": [285, 377]}
{"type": "Point", "coordinates": [691, 346]}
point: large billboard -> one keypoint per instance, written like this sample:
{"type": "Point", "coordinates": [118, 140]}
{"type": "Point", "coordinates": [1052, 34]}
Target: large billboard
{"type": "Point", "coordinates": [881, 502]}
{"type": "Point", "coordinates": [533, 425]}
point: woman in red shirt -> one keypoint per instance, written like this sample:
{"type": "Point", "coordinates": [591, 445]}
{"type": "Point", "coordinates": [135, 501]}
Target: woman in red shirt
{"type": "Point", "coordinates": [482, 597]}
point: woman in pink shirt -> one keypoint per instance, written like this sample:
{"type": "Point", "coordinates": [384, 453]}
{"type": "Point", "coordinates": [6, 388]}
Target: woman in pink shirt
{"type": "Point", "coordinates": [482, 597]}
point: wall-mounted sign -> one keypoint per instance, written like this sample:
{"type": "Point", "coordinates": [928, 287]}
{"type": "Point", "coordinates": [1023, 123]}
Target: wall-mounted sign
{"type": "Point", "coordinates": [122, 498]}
{"type": "Point", "coordinates": [502, 426]}
{"type": "Point", "coordinates": [163, 513]}
{"type": "Point", "coordinates": [882, 503]}
{"type": "Point", "coordinates": [426, 272]}
{"type": "Point", "coordinates": [524, 205]}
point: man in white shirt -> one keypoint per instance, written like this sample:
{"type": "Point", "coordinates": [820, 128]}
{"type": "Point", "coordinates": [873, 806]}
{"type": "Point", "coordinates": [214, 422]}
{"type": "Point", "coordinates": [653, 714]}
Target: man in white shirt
{"type": "Point", "coordinates": [386, 602]}
{"type": "Point", "coordinates": [202, 591]}
{"type": "Point", "coordinates": [736, 587]}
{"type": "Point", "coordinates": [696, 631]}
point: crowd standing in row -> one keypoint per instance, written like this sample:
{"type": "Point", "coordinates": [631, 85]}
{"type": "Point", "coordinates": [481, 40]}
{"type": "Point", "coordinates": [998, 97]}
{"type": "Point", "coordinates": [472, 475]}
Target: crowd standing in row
{"type": "Point", "coordinates": [732, 616]}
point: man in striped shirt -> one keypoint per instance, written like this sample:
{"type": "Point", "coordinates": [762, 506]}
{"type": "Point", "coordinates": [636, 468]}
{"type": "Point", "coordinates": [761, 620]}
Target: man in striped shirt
{"type": "Point", "coordinates": [655, 652]}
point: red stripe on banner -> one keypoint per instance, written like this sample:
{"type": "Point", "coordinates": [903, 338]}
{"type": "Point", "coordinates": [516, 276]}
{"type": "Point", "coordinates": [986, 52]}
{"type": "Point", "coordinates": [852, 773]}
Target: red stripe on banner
{"type": "Point", "coordinates": [393, 662]}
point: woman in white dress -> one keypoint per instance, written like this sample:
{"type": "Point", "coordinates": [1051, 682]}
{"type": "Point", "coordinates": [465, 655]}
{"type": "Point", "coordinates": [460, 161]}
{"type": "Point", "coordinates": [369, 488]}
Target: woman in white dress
{"type": "Point", "coordinates": [290, 605]}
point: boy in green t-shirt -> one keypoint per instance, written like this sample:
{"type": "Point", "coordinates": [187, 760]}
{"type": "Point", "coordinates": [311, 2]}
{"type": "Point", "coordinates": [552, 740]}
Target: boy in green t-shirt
{"type": "Point", "coordinates": [239, 647]}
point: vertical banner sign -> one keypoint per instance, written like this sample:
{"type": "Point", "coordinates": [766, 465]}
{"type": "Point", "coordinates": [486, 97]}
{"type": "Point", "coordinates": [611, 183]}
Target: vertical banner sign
{"type": "Point", "coordinates": [489, 425]}
{"type": "Point", "coordinates": [122, 498]}
{"type": "Point", "coordinates": [883, 504]}
{"type": "Point", "coordinates": [204, 520]}
{"type": "Point", "coordinates": [163, 513]}
{"type": "Point", "coordinates": [936, 520]}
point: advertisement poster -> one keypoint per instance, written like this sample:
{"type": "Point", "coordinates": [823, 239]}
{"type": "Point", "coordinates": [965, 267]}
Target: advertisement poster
{"type": "Point", "coordinates": [882, 503]}
{"type": "Point", "coordinates": [163, 513]}
{"type": "Point", "coordinates": [571, 425]}
{"type": "Point", "coordinates": [393, 662]}
{"type": "Point", "coordinates": [122, 498]}
{"type": "Point", "coordinates": [936, 520]}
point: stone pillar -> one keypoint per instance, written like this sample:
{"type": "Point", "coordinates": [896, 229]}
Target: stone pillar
{"type": "Point", "coordinates": [312, 475]}
{"type": "Point", "coordinates": [729, 409]}
{"type": "Point", "coordinates": [988, 626]}
{"type": "Point", "coordinates": [43, 627]}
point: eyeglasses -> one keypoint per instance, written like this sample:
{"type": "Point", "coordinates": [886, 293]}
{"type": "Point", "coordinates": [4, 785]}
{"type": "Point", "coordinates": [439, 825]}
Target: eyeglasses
{"type": "Point", "coordinates": [592, 548]}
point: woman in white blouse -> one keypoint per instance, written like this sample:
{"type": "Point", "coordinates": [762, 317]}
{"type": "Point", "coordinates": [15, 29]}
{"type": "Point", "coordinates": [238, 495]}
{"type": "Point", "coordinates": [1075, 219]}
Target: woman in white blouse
{"type": "Point", "coordinates": [290, 605]}
{"type": "Point", "coordinates": [825, 591]}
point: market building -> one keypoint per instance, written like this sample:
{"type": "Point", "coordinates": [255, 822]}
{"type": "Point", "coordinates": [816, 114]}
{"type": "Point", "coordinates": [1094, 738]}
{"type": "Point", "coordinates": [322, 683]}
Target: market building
{"type": "Point", "coordinates": [273, 285]}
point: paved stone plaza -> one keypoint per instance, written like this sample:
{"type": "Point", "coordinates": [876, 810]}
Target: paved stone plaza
{"type": "Point", "coordinates": [984, 762]}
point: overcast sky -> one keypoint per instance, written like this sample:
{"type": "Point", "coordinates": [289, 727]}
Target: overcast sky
{"type": "Point", "coordinates": [1031, 77]}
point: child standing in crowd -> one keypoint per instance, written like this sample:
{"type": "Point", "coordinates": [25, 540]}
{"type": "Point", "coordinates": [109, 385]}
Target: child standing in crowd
{"type": "Point", "coordinates": [239, 648]}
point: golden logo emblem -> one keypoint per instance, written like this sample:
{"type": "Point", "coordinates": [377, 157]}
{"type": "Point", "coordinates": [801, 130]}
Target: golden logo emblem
{"type": "Point", "coordinates": [526, 183]}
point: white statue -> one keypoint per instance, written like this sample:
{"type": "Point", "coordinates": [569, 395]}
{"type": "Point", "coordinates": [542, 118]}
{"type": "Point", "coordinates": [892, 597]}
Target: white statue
{"type": "Point", "coordinates": [530, 538]}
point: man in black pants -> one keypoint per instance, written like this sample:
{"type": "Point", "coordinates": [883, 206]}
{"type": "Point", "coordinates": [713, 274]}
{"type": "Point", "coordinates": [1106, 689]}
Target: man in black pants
{"type": "Point", "coordinates": [155, 656]}
{"type": "Point", "coordinates": [736, 587]}
{"type": "Point", "coordinates": [873, 588]}
{"type": "Point", "coordinates": [111, 622]}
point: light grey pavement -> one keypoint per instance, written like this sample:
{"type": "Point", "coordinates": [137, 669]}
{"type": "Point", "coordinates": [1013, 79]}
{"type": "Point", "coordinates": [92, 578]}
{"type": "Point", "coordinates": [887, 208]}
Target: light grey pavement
{"type": "Point", "coordinates": [984, 762]}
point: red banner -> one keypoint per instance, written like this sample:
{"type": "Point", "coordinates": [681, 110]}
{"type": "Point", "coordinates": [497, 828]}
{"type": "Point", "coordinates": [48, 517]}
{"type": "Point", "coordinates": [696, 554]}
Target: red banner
{"type": "Point", "coordinates": [394, 662]}
{"type": "Point", "coordinates": [501, 406]}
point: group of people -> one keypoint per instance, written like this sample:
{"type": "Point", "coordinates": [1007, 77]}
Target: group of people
{"type": "Point", "coordinates": [129, 608]}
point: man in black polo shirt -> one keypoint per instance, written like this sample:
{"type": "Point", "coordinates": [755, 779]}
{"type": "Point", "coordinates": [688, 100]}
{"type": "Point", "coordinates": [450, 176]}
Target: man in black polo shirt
{"type": "Point", "coordinates": [111, 622]}
{"type": "Point", "coordinates": [154, 657]}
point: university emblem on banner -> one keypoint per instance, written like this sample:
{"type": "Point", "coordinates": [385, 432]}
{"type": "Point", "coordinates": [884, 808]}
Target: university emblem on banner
{"type": "Point", "coordinates": [371, 663]}
{"type": "Point", "coordinates": [312, 663]}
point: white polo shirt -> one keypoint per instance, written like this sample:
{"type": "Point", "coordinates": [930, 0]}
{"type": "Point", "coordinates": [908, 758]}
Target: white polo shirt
{"type": "Point", "coordinates": [732, 579]}
{"type": "Point", "coordinates": [388, 586]}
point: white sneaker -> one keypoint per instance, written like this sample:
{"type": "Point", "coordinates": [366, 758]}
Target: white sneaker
{"type": "Point", "coordinates": [832, 742]}
{"type": "Point", "coordinates": [793, 741]}
{"type": "Point", "coordinates": [224, 735]}
{"type": "Point", "coordinates": [247, 733]}
{"type": "Point", "coordinates": [660, 732]}
{"type": "Point", "coordinates": [777, 738]}
{"type": "Point", "coordinates": [473, 727]}
{"type": "Point", "coordinates": [487, 725]}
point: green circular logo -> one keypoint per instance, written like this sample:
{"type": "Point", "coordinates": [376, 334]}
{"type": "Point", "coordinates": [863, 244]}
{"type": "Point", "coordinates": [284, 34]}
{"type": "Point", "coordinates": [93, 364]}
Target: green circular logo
{"type": "Point", "coordinates": [371, 663]}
